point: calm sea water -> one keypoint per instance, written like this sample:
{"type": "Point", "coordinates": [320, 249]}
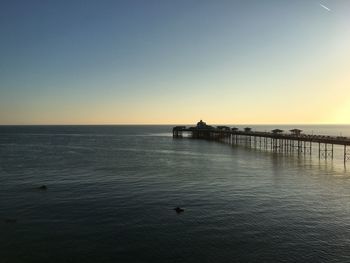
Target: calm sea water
{"type": "Point", "coordinates": [112, 190]}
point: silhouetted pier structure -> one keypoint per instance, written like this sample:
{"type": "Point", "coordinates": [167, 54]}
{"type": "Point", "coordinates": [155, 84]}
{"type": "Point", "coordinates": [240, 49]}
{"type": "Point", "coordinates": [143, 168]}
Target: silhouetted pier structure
{"type": "Point", "coordinates": [293, 141]}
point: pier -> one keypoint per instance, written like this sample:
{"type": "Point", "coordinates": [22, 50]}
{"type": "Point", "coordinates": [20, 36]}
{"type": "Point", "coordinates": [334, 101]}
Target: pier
{"type": "Point", "coordinates": [279, 141]}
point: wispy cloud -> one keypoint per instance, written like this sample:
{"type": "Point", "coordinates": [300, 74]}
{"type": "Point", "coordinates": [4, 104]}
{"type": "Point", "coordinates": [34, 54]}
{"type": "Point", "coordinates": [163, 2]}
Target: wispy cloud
{"type": "Point", "coordinates": [325, 7]}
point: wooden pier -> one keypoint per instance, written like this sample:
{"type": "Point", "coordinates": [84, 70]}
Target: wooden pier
{"type": "Point", "coordinates": [293, 141]}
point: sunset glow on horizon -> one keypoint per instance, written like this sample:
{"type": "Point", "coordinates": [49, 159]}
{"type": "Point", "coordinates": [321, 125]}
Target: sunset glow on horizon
{"type": "Point", "coordinates": [175, 62]}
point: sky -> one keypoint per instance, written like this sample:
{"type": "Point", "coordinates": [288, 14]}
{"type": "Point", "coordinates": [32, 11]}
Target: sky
{"type": "Point", "coordinates": [174, 62]}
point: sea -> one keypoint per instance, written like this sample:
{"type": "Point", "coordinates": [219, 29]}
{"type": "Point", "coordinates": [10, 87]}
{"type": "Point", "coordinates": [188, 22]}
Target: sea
{"type": "Point", "coordinates": [111, 193]}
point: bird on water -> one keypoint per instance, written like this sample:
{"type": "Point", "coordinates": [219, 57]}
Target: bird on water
{"type": "Point", "coordinates": [43, 187]}
{"type": "Point", "coordinates": [179, 210]}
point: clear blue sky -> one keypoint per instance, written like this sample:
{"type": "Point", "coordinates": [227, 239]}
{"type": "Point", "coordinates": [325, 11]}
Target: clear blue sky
{"type": "Point", "coordinates": [66, 62]}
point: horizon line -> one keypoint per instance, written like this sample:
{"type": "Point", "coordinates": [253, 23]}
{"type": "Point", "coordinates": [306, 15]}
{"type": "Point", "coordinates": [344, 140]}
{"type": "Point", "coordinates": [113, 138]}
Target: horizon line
{"type": "Point", "coordinates": [168, 124]}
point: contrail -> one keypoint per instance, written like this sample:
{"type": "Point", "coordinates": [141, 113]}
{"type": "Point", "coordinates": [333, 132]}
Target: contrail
{"type": "Point", "coordinates": [325, 7]}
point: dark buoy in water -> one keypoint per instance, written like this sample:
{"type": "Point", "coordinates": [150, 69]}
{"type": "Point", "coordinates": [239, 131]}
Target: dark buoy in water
{"type": "Point", "coordinates": [179, 210]}
{"type": "Point", "coordinates": [43, 187]}
{"type": "Point", "coordinates": [10, 220]}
